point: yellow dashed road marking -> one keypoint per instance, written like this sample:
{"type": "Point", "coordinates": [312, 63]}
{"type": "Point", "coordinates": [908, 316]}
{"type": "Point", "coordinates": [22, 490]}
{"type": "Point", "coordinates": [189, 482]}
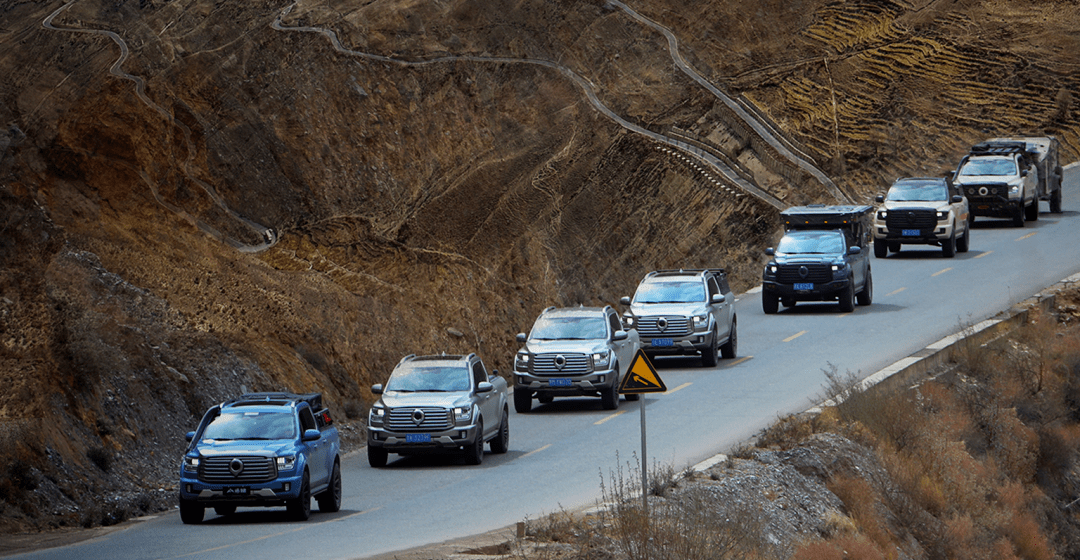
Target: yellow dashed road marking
{"type": "Point", "coordinates": [981, 255]}
{"type": "Point", "coordinates": [683, 386]}
{"type": "Point", "coordinates": [794, 336]}
{"type": "Point", "coordinates": [739, 361]}
{"type": "Point", "coordinates": [1032, 234]}
{"type": "Point", "coordinates": [894, 292]}
{"type": "Point", "coordinates": [536, 451]}
{"type": "Point", "coordinates": [940, 272]}
{"type": "Point", "coordinates": [597, 423]}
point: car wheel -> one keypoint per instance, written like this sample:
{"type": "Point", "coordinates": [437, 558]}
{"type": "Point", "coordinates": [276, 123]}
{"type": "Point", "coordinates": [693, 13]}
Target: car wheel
{"type": "Point", "coordinates": [1055, 201]}
{"type": "Point", "coordinates": [474, 452]}
{"type": "Point", "coordinates": [770, 303]}
{"type": "Point", "coordinates": [1032, 211]}
{"type": "Point", "coordinates": [299, 508]}
{"type": "Point", "coordinates": [376, 456]}
{"type": "Point", "coordinates": [729, 348]}
{"type": "Point", "coordinates": [787, 302]}
{"type": "Point", "coordinates": [224, 510]}
{"type": "Point", "coordinates": [522, 400]}
{"type": "Point", "coordinates": [330, 499]}
{"type": "Point", "coordinates": [948, 247]}
{"type": "Point", "coordinates": [881, 249]}
{"type": "Point", "coordinates": [1019, 216]}
{"type": "Point", "coordinates": [847, 298]}
{"type": "Point", "coordinates": [191, 512]}
{"type": "Point", "coordinates": [633, 397]}
{"type": "Point", "coordinates": [866, 296]}
{"type": "Point", "coordinates": [708, 355]}
{"type": "Point", "coordinates": [609, 397]}
{"type": "Point", "coordinates": [894, 247]}
{"type": "Point", "coordinates": [964, 243]}
{"type": "Point", "coordinates": [501, 443]}
{"type": "Point", "coordinates": [545, 399]}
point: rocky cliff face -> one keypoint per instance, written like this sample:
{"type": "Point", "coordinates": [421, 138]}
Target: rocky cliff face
{"type": "Point", "coordinates": [205, 197]}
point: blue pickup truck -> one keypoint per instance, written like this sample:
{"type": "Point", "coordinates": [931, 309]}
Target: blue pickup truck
{"type": "Point", "coordinates": [262, 450]}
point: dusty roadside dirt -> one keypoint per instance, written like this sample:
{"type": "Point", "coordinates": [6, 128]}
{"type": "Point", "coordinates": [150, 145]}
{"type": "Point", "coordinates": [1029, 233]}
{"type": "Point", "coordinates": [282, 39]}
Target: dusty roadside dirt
{"type": "Point", "coordinates": [414, 207]}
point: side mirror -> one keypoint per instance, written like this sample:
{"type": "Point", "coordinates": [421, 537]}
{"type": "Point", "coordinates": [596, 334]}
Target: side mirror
{"type": "Point", "coordinates": [376, 389]}
{"type": "Point", "coordinates": [956, 199]}
{"type": "Point", "coordinates": [879, 198]}
{"type": "Point", "coordinates": [521, 338]}
{"type": "Point", "coordinates": [718, 298]}
{"type": "Point", "coordinates": [484, 387]}
{"type": "Point", "coordinates": [311, 435]}
{"type": "Point", "coordinates": [1024, 173]}
{"type": "Point", "coordinates": [770, 251]}
{"type": "Point", "coordinates": [854, 250]}
{"type": "Point", "coordinates": [190, 436]}
{"type": "Point", "coordinates": [625, 300]}
{"type": "Point", "coordinates": [620, 335]}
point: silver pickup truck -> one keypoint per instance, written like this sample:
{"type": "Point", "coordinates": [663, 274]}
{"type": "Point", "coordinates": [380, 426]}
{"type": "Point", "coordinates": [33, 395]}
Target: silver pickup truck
{"type": "Point", "coordinates": [438, 404]}
{"type": "Point", "coordinates": [573, 351]}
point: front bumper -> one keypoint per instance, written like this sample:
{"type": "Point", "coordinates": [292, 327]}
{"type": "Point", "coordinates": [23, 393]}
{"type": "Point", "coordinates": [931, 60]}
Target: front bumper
{"type": "Point", "coordinates": [271, 493]}
{"type": "Point", "coordinates": [579, 385]}
{"type": "Point", "coordinates": [827, 291]}
{"type": "Point", "coordinates": [395, 441]}
{"type": "Point", "coordinates": [930, 236]}
{"type": "Point", "coordinates": [995, 207]}
{"type": "Point", "coordinates": [692, 343]}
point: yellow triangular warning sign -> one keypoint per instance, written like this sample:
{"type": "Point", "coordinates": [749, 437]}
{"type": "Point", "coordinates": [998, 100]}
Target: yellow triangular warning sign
{"type": "Point", "coordinates": [641, 377]}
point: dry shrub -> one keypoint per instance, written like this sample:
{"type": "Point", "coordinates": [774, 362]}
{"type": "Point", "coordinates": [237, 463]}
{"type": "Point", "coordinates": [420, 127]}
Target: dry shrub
{"type": "Point", "coordinates": [844, 547]}
{"type": "Point", "coordinates": [959, 536]}
{"type": "Point", "coordinates": [787, 432]}
{"type": "Point", "coordinates": [1028, 540]}
{"type": "Point", "coordinates": [863, 505]}
{"type": "Point", "coordinates": [1013, 445]}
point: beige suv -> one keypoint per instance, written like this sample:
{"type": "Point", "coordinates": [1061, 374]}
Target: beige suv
{"type": "Point", "coordinates": [922, 211]}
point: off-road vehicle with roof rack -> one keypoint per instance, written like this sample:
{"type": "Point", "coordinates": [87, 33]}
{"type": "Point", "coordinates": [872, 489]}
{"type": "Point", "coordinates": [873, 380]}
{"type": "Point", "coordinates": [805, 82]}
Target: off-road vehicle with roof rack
{"type": "Point", "coordinates": [1007, 177]}
{"type": "Point", "coordinates": [922, 211]}
{"type": "Point", "coordinates": [262, 450]}
{"type": "Point", "coordinates": [439, 404]}
{"type": "Point", "coordinates": [823, 256]}
{"type": "Point", "coordinates": [684, 312]}
{"type": "Point", "coordinates": [573, 351]}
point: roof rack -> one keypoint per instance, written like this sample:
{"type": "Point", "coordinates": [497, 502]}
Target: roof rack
{"type": "Point", "coordinates": [314, 400]}
{"type": "Point", "coordinates": [685, 271]}
{"type": "Point", "coordinates": [999, 147]}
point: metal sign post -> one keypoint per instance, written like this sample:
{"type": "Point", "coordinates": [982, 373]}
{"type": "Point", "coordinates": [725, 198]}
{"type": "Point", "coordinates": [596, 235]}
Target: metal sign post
{"type": "Point", "coordinates": [639, 379]}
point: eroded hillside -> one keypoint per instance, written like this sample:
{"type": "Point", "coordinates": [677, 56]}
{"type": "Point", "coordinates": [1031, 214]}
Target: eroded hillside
{"type": "Point", "coordinates": [204, 197]}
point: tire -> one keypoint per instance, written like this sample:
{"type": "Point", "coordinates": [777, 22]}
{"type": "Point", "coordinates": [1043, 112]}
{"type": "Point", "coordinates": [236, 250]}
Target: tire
{"type": "Point", "coordinates": [1055, 201]}
{"type": "Point", "coordinates": [847, 298]}
{"type": "Point", "coordinates": [633, 397]}
{"type": "Point", "coordinates": [501, 443]}
{"type": "Point", "coordinates": [708, 355]}
{"type": "Point", "coordinates": [964, 243]}
{"type": "Point", "coordinates": [474, 452]}
{"type": "Point", "coordinates": [1019, 216]}
{"type": "Point", "coordinates": [522, 400]}
{"type": "Point", "coordinates": [1031, 213]}
{"type": "Point", "coordinates": [787, 302]}
{"type": "Point", "coordinates": [881, 249]}
{"type": "Point", "coordinates": [894, 247]}
{"type": "Point", "coordinates": [609, 398]}
{"type": "Point", "coordinates": [545, 399]}
{"type": "Point", "coordinates": [191, 512]}
{"type": "Point", "coordinates": [224, 510]}
{"type": "Point", "coordinates": [299, 508]}
{"type": "Point", "coordinates": [376, 456]}
{"type": "Point", "coordinates": [770, 303]}
{"type": "Point", "coordinates": [729, 348]}
{"type": "Point", "coordinates": [330, 499]}
{"type": "Point", "coordinates": [948, 248]}
{"type": "Point", "coordinates": [866, 296]}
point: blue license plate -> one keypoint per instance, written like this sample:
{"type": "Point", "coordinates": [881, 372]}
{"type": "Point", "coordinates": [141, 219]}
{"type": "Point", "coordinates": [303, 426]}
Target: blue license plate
{"type": "Point", "coordinates": [560, 382]}
{"type": "Point", "coordinates": [417, 438]}
{"type": "Point", "coordinates": [804, 285]}
{"type": "Point", "coordinates": [662, 342]}
{"type": "Point", "coordinates": [911, 233]}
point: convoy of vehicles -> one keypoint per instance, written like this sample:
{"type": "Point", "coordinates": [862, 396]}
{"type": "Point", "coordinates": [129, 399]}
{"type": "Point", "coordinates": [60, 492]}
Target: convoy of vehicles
{"type": "Point", "coordinates": [262, 449]}
{"type": "Point", "coordinates": [823, 256]}
{"type": "Point", "coordinates": [438, 404]}
{"type": "Point", "coordinates": [573, 351]}
{"type": "Point", "coordinates": [1007, 177]}
{"type": "Point", "coordinates": [922, 211]}
{"type": "Point", "coordinates": [685, 312]}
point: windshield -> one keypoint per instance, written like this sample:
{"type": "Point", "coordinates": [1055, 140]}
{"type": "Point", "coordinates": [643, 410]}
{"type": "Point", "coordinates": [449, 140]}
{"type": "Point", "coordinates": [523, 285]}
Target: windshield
{"type": "Point", "coordinates": [670, 292]}
{"type": "Point", "coordinates": [429, 378]}
{"type": "Point", "coordinates": [918, 192]}
{"type": "Point", "coordinates": [988, 166]}
{"type": "Point", "coordinates": [251, 425]}
{"type": "Point", "coordinates": [578, 328]}
{"type": "Point", "coordinates": [826, 242]}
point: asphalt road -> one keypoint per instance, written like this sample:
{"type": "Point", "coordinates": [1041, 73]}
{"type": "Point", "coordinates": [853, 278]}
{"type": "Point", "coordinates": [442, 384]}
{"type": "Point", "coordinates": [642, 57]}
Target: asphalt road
{"type": "Point", "coordinates": [561, 452]}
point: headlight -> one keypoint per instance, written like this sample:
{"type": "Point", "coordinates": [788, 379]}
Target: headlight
{"type": "Point", "coordinates": [1014, 189]}
{"type": "Point", "coordinates": [771, 269]}
{"type": "Point", "coordinates": [191, 464]}
{"type": "Point", "coordinates": [462, 414]}
{"type": "Point", "coordinates": [376, 415]}
{"type": "Point", "coordinates": [882, 215]}
{"type": "Point", "coordinates": [521, 363]}
{"type": "Point", "coordinates": [286, 463]}
{"type": "Point", "coordinates": [601, 360]}
{"type": "Point", "coordinates": [700, 322]}
{"type": "Point", "coordinates": [628, 321]}
{"type": "Point", "coordinates": [942, 215]}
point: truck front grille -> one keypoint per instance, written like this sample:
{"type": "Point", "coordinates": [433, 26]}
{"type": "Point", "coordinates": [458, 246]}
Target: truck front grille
{"type": "Point", "coordinates": [988, 191]}
{"type": "Point", "coordinates": [911, 219]}
{"type": "Point", "coordinates": [572, 364]}
{"type": "Point", "coordinates": [237, 469]}
{"type": "Point", "coordinates": [654, 327]}
{"type": "Point", "coordinates": [419, 419]}
{"type": "Point", "coordinates": [792, 273]}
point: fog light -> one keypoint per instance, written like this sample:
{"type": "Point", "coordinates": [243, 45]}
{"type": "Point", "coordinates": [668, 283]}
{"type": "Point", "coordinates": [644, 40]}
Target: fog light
{"type": "Point", "coordinates": [288, 485]}
{"type": "Point", "coordinates": [190, 490]}
{"type": "Point", "coordinates": [461, 435]}
{"type": "Point", "coordinates": [601, 379]}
